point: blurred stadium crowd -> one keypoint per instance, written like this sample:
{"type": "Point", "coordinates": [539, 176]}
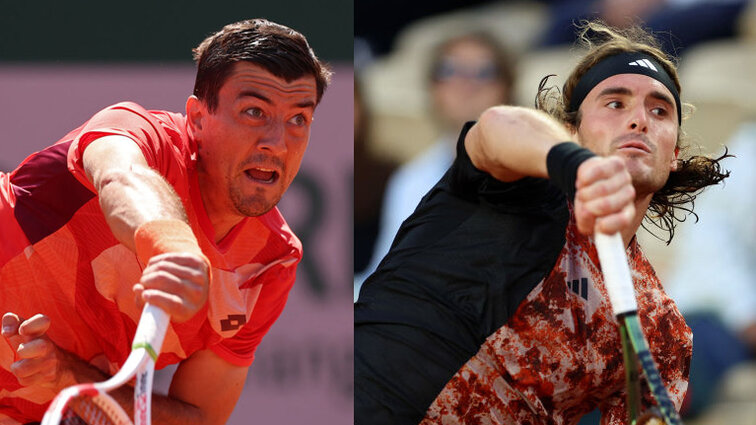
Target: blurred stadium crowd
{"type": "Point", "coordinates": [424, 68]}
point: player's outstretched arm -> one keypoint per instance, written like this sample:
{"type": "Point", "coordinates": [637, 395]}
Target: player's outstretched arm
{"type": "Point", "coordinates": [511, 142]}
{"type": "Point", "coordinates": [137, 201]}
{"type": "Point", "coordinates": [204, 391]}
{"type": "Point", "coordinates": [131, 193]}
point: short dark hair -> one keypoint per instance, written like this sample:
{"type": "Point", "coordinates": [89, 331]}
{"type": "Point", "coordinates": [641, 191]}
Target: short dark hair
{"type": "Point", "coordinates": [278, 49]}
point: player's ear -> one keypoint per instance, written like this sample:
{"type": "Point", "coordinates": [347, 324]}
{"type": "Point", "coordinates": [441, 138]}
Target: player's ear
{"type": "Point", "coordinates": [673, 165]}
{"type": "Point", "coordinates": [573, 132]}
{"type": "Point", "coordinates": [195, 113]}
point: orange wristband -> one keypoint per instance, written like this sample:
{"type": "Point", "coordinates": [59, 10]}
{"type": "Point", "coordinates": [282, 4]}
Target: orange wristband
{"type": "Point", "coordinates": [160, 236]}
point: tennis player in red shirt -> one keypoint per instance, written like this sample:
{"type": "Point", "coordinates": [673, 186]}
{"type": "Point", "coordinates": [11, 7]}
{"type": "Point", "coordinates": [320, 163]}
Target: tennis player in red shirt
{"type": "Point", "coordinates": [177, 210]}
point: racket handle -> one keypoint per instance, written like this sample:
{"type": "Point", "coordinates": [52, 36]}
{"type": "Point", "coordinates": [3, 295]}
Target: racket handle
{"type": "Point", "coordinates": [151, 330]}
{"type": "Point", "coordinates": [619, 283]}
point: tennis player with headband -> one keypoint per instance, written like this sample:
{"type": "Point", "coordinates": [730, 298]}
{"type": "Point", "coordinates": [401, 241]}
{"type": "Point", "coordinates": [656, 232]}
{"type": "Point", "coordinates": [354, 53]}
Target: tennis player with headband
{"type": "Point", "coordinates": [176, 210]}
{"type": "Point", "coordinates": [491, 306]}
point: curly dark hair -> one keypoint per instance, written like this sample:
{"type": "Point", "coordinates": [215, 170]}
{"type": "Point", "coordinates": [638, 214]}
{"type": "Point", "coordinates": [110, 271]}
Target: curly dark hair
{"type": "Point", "coordinates": [672, 203]}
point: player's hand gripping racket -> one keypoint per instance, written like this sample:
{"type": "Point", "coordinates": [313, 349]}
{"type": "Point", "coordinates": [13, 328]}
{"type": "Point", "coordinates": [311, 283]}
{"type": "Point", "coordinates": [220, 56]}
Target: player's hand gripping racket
{"type": "Point", "coordinates": [619, 285]}
{"type": "Point", "coordinates": [91, 401]}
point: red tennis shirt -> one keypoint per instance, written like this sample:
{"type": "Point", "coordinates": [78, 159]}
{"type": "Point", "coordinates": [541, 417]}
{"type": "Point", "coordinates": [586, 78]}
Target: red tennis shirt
{"type": "Point", "coordinates": [58, 257]}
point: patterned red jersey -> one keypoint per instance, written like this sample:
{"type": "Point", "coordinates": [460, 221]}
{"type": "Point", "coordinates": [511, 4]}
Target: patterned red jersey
{"type": "Point", "coordinates": [560, 354]}
{"type": "Point", "coordinates": [58, 257]}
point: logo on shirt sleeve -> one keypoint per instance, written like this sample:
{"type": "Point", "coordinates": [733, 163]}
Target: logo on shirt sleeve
{"type": "Point", "coordinates": [233, 322]}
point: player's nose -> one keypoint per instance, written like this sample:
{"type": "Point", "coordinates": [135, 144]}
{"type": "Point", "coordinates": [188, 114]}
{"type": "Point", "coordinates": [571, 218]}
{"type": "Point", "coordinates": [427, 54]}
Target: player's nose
{"type": "Point", "coordinates": [274, 140]}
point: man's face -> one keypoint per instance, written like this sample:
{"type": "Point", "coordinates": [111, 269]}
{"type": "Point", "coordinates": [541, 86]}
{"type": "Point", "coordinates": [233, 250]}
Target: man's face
{"type": "Point", "coordinates": [467, 82]}
{"type": "Point", "coordinates": [251, 146]}
{"type": "Point", "coordinates": [635, 117]}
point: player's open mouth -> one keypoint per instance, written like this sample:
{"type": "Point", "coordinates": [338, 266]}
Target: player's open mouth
{"type": "Point", "coordinates": [262, 175]}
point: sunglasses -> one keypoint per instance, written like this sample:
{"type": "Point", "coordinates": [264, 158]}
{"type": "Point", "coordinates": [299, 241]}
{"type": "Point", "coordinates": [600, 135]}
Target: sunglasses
{"type": "Point", "coordinates": [448, 69]}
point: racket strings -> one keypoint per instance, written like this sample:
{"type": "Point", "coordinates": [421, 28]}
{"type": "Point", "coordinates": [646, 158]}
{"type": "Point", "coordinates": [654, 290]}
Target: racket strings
{"type": "Point", "coordinates": [71, 418]}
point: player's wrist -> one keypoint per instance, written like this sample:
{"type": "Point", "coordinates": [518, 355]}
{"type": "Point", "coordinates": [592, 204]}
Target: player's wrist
{"type": "Point", "coordinates": [163, 236]}
{"type": "Point", "coordinates": [562, 163]}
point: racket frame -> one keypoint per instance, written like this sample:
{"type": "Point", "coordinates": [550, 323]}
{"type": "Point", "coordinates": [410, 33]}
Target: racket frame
{"type": "Point", "coordinates": [619, 285]}
{"type": "Point", "coordinates": [148, 341]}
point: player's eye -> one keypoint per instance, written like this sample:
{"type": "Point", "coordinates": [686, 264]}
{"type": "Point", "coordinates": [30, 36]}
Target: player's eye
{"type": "Point", "coordinates": [615, 104]}
{"type": "Point", "coordinates": [255, 112]}
{"type": "Point", "coordinates": [298, 120]}
{"type": "Point", "coordinates": [659, 111]}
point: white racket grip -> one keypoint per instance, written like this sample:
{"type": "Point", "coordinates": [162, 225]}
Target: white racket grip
{"type": "Point", "coordinates": [617, 279]}
{"type": "Point", "coordinates": [151, 329]}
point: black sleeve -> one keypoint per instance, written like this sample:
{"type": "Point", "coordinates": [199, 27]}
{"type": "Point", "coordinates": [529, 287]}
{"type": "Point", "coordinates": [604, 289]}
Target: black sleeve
{"type": "Point", "coordinates": [472, 239]}
{"type": "Point", "coordinates": [458, 269]}
{"type": "Point", "coordinates": [522, 196]}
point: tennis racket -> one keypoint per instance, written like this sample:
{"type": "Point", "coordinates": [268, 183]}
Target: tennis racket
{"type": "Point", "coordinates": [635, 349]}
{"type": "Point", "coordinates": [92, 404]}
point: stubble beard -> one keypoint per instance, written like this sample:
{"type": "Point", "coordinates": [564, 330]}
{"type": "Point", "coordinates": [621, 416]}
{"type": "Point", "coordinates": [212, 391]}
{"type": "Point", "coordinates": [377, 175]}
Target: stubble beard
{"type": "Point", "coordinates": [251, 205]}
{"type": "Point", "coordinates": [646, 180]}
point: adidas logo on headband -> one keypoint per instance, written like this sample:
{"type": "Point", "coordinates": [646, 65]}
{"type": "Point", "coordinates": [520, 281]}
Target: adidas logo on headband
{"type": "Point", "coordinates": [623, 63]}
{"type": "Point", "coordinates": [644, 63]}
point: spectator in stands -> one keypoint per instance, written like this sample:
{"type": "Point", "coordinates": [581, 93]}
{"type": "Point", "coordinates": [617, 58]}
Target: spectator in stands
{"type": "Point", "coordinates": [468, 74]}
{"type": "Point", "coordinates": [683, 23]}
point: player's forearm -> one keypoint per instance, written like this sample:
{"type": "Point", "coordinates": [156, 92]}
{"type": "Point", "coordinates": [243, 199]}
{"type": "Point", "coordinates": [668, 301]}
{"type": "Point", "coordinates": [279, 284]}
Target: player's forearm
{"type": "Point", "coordinates": [170, 411]}
{"type": "Point", "coordinates": [73, 371]}
{"type": "Point", "coordinates": [130, 199]}
{"type": "Point", "coordinates": [512, 142]}
{"type": "Point", "coordinates": [130, 192]}
{"type": "Point", "coordinates": [166, 410]}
